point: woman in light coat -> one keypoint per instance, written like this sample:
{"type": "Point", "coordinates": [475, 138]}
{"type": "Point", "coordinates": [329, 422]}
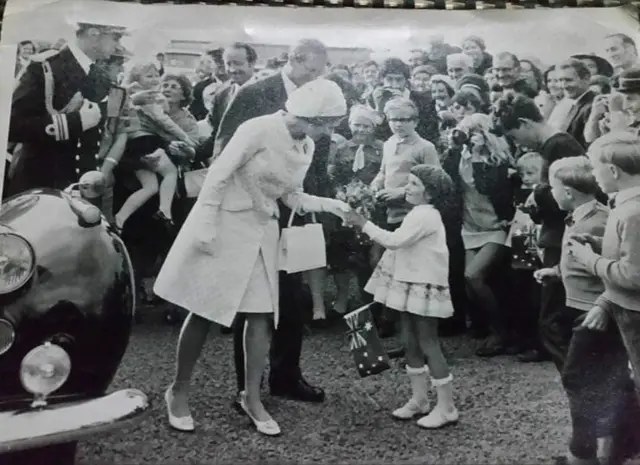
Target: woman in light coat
{"type": "Point", "coordinates": [224, 260]}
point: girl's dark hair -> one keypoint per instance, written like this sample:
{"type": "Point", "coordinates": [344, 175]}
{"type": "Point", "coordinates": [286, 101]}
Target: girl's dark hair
{"type": "Point", "coordinates": [395, 66]}
{"type": "Point", "coordinates": [510, 108]}
{"type": "Point", "coordinates": [438, 186]}
{"type": "Point", "coordinates": [28, 42]}
{"type": "Point", "coordinates": [465, 97]}
{"type": "Point", "coordinates": [185, 85]}
{"type": "Point", "coordinates": [539, 77]}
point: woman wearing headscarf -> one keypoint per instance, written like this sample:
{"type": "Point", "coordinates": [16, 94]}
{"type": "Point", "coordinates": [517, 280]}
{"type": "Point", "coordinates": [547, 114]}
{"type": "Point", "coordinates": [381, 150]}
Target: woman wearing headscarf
{"type": "Point", "coordinates": [359, 158]}
{"type": "Point", "coordinates": [224, 260]}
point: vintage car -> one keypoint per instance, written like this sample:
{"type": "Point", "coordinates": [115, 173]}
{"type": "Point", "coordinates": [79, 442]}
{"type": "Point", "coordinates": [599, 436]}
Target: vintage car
{"type": "Point", "coordinates": [66, 313]}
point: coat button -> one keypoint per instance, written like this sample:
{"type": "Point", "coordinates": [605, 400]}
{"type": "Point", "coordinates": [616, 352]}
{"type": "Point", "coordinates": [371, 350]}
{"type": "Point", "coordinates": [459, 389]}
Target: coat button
{"type": "Point", "coordinates": [77, 170]}
{"type": "Point", "coordinates": [77, 157]}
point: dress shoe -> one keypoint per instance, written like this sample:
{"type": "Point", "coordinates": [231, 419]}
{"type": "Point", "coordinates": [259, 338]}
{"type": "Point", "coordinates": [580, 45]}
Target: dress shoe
{"type": "Point", "coordinates": [533, 356]}
{"type": "Point", "coordinates": [298, 390]}
{"type": "Point", "coordinates": [267, 427]}
{"type": "Point", "coordinates": [184, 424]}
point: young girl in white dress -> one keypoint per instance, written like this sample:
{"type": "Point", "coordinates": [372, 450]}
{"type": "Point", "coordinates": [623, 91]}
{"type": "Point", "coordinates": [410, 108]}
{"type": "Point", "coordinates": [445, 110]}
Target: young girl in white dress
{"type": "Point", "coordinates": [412, 278]}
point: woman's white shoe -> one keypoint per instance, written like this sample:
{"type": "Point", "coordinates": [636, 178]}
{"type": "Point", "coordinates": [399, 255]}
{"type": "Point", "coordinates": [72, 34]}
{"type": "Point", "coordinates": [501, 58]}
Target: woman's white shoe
{"type": "Point", "coordinates": [410, 410]}
{"type": "Point", "coordinates": [267, 427]}
{"type": "Point", "coordinates": [439, 418]}
{"type": "Point", "coordinates": [178, 423]}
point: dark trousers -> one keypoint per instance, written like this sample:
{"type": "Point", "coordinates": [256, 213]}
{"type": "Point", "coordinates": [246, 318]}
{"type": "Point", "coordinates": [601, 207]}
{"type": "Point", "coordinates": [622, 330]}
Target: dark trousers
{"type": "Point", "coordinates": [595, 378]}
{"type": "Point", "coordinates": [457, 282]}
{"type": "Point", "coordinates": [554, 333]}
{"type": "Point", "coordinates": [523, 298]}
{"type": "Point", "coordinates": [286, 344]}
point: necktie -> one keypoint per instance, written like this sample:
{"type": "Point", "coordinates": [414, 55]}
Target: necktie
{"type": "Point", "coordinates": [568, 221]}
{"type": "Point", "coordinates": [612, 203]}
{"type": "Point", "coordinates": [359, 159]}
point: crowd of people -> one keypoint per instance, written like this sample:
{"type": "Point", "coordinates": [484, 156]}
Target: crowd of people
{"type": "Point", "coordinates": [493, 178]}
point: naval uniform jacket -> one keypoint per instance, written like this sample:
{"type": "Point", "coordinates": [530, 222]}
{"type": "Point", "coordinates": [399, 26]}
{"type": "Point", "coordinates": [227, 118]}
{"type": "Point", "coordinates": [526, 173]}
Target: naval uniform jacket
{"type": "Point", "coordinates": [55, 151]}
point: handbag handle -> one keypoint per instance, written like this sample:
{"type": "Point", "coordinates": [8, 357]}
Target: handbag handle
{"type": "Point", "coordinates": [294, 211]}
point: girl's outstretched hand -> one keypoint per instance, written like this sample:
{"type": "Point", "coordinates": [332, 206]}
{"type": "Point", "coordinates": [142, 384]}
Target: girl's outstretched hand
{"type": "Point", "coordinates": [355, 219]}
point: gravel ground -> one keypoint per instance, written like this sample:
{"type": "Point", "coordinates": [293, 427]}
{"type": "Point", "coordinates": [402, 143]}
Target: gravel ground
{"type": "Point", "coordinates": [510, 412]}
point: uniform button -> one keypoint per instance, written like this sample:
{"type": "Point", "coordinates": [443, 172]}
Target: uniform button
{"type": "Point", "coordinates": [97, 156]}
{"type": "Point", "coordinates": [77, 157]}
{"type": "Point", "coordinates": [77, 170]}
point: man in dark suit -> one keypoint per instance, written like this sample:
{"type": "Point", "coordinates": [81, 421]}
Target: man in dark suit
{"type": "Point", "coordinates": [307, 61]}
{"type": "Point", "coordinates": [55, 113]}
{"type": "Point", "coordinates": [239, 60]}
{"type": "Point", "coordinates": [574, 78]}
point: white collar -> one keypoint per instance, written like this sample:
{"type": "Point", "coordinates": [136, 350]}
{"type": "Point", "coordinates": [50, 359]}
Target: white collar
{"type": "Point", "coordinates": [289, 85]}
{"type": "Point", "coordinates": [583, 210]}
{"type": "Point", "coordinates": [83, 60]}
{"type": "Point", "coordinates": [626, 194]}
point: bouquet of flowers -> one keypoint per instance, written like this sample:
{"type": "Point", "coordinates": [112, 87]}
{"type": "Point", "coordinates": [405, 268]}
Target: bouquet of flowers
{"type": "Point", "coordinates": [362, 199]}
{"type": "Point", "coordinates": [359, 196]}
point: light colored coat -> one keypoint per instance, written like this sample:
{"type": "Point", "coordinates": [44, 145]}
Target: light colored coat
{"type": "Point", "coordinates": [208, 268]}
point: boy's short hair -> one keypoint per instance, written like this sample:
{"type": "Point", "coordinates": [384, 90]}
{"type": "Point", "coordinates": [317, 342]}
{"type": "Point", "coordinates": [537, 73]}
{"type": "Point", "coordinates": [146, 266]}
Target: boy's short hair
{"type": "Point", "coordinates": [401, 103]}
{"type": "Point", "coordinates": [575, 172]}
{"type": "Point", "coordinates": [395, 66]}
{"type": "Point", "coordinates": [530, 159]}
{"type": "Point", "coordinates": [621, 149]}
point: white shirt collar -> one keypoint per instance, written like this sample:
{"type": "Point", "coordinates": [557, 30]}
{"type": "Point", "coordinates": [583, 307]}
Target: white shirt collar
{"type": "Point", "coordinates": [626, 194]}
{"type": "Point", "coordinates": [83, 60]}
{"type": "Point", "coordinates": [583, 210]}
{"type": "Point", "coordinates": [289, 85]}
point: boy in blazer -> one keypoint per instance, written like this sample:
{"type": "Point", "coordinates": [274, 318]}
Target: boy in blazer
{"type": "Point", "coordinates": [594, 369]}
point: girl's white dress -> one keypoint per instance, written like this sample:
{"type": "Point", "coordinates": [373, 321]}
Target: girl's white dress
{"type": "Point", "coordinates": [412, 275]}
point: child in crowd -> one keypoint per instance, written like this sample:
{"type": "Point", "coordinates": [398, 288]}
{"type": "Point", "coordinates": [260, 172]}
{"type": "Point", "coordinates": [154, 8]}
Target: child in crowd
{"type": "Point", "coordinates": [615, 257]}
{"type": "Point", "coordinates": [412, 278]}
{"type": "Point", "coordinates": [522, 239]}
{"type": "Point", "coordinates": [149, 133]}
{"type": "Point", "coordinates": [404, 150]}
{"type": "Point", "coordinates": [594, 371]}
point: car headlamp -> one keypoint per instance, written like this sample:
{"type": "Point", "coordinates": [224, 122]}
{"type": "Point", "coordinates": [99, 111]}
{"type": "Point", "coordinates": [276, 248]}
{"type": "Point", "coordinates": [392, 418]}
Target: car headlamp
{"type": "Point", "coordinates": [17, 262]}
{"type": "Point", "coordinates": [7, 336]}
{"type": "Point", "coordinates": [44, 370]}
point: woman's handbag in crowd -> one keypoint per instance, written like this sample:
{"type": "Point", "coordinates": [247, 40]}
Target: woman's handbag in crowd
{"type": "Point", "coordinates": [365, 343]}
{"type": "Point", "coordinates": [193, 181]}
{"type": "Point", "coordinates": [302, 248]}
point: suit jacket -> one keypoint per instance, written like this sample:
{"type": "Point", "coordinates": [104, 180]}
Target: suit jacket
{"type": "Point", "coordinates": [44, 161]}
{"type": "Point", "coordinates": [221, 101]}
{"type": "Point", "coordinates": [578, 116]}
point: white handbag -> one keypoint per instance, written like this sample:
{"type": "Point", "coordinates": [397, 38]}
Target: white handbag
{"type": "Point", "coordinates": [302, 248]}
{"type": "Point", "coordinates": [193, 181]}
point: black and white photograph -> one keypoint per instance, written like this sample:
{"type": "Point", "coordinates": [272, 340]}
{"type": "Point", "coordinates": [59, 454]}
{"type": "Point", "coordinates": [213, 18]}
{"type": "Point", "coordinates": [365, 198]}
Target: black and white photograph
{"type": "Point", "coordinates": [310, 235]}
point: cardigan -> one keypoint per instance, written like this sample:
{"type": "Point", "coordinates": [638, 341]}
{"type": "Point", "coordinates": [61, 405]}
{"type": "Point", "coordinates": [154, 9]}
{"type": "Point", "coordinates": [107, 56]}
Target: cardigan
{"type": "Point", "coordinates": [619, 264]}
{"type": "Point", "coordinates": [419, 245]}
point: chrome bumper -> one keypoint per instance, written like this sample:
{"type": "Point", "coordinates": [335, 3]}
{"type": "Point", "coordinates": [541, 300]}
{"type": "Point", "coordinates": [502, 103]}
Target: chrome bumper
{"type": "Point", "coordinates": [60, 423]}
